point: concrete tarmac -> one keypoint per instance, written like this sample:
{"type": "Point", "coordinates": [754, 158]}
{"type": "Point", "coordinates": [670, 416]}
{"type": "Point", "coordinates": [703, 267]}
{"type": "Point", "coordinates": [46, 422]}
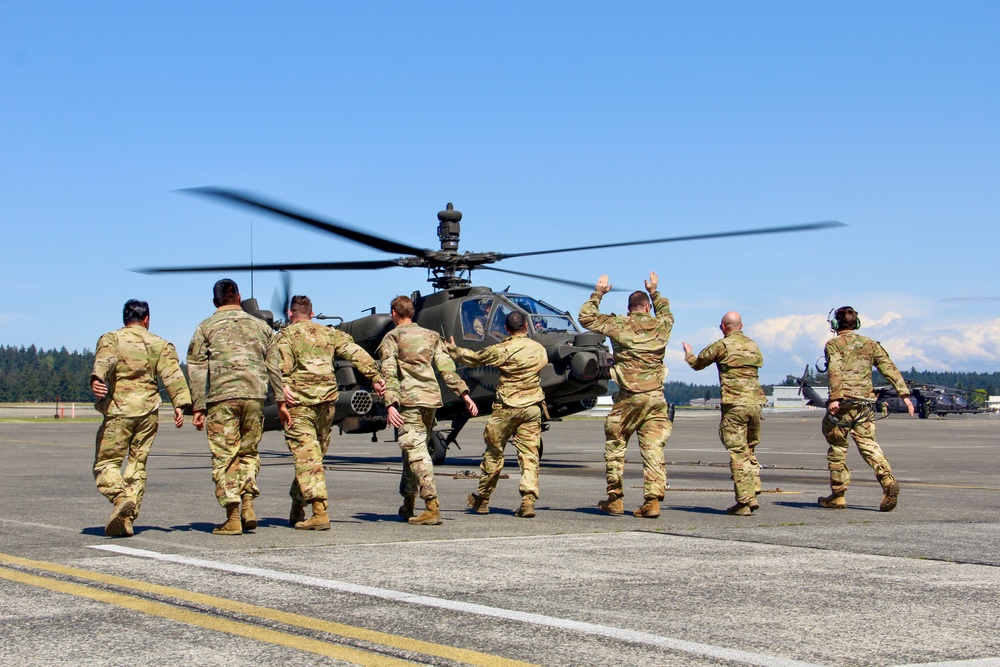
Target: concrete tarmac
{"type": "Point", "coordinates": [795, 584]}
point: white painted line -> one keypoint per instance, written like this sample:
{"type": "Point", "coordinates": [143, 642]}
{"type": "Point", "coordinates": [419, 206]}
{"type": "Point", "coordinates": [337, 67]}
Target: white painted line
{"type": "Point", "coordinates": [619, 634]}
{"type": "Point", "coordinates": [981, 662]}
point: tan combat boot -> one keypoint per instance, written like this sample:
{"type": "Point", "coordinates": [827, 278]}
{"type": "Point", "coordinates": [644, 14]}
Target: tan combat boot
{"type": "Point", "coordinates": [613, 506]}
{"type": "Point", "coordinates": [119, 515]}
{"type": "Point", "coordinates": [233, 525]}
{"type": "Point", "coordinates": [649, 510]}
{"type": "Point", "coordinates": [247, 516]}
{"type": "Point", "coordinates": [527, 508]}
{"type": "Point", "coordinates": [478, 504]}
{"type": "Point", "coordinates": [431, 515]}
{"type": "Point", "coordinates": [406, 509]}
{"type": "Point", "coordinates": [834, 501]}
{"type": "Point", "coordinates": [297, 514]}
{"type": "Point", "coordinates": [890, 495]}
{"type": "Point", "coordinates": [740, 509]}
{"type": "Point", "coordinates": [753, 505]}
{"type": "Point", "coordinates": [319, 519]}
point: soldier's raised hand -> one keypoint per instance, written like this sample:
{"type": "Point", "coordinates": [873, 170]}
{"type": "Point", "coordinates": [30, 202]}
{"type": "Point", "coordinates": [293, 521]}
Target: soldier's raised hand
{"type": "Point", "coordinates": [653, 281]}
{"type": "Point", "coordinates": [603, 286]}
{"type": "Point", "coordinates": [687, 348]}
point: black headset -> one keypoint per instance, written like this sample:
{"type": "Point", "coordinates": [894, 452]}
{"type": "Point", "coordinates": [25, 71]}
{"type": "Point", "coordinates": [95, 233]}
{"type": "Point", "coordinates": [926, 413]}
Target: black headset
{"type": "Point", "coordinates": [833, 317]}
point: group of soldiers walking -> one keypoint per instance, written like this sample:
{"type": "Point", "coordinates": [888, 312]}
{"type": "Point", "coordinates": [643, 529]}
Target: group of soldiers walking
{"type": "Point", "coordinates": [233, 356]}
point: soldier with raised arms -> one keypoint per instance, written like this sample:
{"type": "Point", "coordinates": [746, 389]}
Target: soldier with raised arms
{"type": "Point", "coordinates": [517, 411]}
{"type": "Point", "coordinates": [850, 358]}
{"type": "Point", "coordinates": [127, 362]}
{"type": "Point", "coordinates": [306, 400]}
{"type": "Point", "coordinates": [229, 369]}
{"type": "Point", "coordinates": [639, 341]}
{"type": "Point", "coordinates": [739, 360]}
{"type": "Point", "coordinates": [410, 356]}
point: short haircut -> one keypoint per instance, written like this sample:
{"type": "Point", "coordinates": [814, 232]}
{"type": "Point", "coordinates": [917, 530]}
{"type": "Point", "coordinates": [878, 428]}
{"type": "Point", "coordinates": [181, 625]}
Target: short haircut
{"type": "Point", "coordinates": [403, 305]}
{"type": "Point", "coordinates": [515, 322]}
{"type": "Point", "coordinates": [847, 318]}
{"type": "Point", "coordinates": [301, 304]}
{"type": "Point", "coordinates": [134, 311]}
{"type": "Point", "coordinates": [225, 293]}
{"type": "Point", "coordinates": [637, 300]}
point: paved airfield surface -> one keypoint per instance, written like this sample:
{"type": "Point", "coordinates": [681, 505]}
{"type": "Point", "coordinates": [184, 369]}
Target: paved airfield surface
{"type": "Point", "coordinates": [795, 584]}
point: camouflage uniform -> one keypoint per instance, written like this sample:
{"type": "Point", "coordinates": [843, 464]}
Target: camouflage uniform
{"type": "Point", "coordinates": [639, 341]}
{"type": "Point", "coordinates": [229, 376]}
{"type": "Point", "coordinates": [850, 358]}
{"type": "Point", "coordinates": [517, 409]}
{"type": "Point", "coordinates": [306, 352]}
{"type": "Point", "coordinates": [409, 354]}
{"type": "Point", "coordinates": [128, 361]}
{"type": "Point", "coordinates": [738, 359]}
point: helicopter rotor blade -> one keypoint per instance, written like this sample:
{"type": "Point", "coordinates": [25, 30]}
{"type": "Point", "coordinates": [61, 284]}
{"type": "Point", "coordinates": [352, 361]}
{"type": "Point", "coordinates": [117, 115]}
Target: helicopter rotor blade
{"type": "Point", "coordinates": [282, 299]}
{"type": "Point", "coordinates": [561, 281]}
{"type": "Point", "coordinates": [311, 266]}
{"type": "Point", "coordinates": [694, 237]}
{"type": "Point", "coordinates": [253, 201]}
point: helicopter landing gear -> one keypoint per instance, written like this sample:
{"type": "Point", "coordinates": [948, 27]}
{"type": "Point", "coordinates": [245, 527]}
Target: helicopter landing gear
{"type": "Point", "coordinates": [438, 447]}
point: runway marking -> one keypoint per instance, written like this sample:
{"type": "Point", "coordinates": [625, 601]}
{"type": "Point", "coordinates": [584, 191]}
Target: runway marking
{"type": "Point", "coordinates": [40, 442]}
{"type": "Point", "coordinates": [619, 634]}
{"type": "Point", "coordinates": [349, 654]}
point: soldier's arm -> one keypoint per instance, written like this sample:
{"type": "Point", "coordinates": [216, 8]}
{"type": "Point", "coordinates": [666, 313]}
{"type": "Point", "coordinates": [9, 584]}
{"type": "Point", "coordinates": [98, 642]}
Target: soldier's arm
{"type": "Point", "coordinates": [661, 308]}
{"type": "Point", "coordinates": [272, 361]}
{"type": "Point", "coordinates": [446, 367]}
{"type": "Point", "coordinates": [105, 357]}
{"type": "Point", "coordinates": [388, 351]}
{"type": "Point", "coordinates": [197, 363]}
{"type": "Point", "coordinates": [345, 348]}
{"type": "Point", "coordinates": [169, 370]}
{"type": "Point", "coordinates": [710, 355]}
{"type": "Point", "coordinates": [889, 370]}
{"type": "Point", "coordinates": [835, 370]}
{"type": "Point", "coordinates": [590, 315]}
{"type": "Point", "coordinates": [469, 357]}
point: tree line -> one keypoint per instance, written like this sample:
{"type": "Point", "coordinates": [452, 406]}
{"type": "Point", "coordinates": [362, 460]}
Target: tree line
{"type": "Point", "coordinates": [33, 374]}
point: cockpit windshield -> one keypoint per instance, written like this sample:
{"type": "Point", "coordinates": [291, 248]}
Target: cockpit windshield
{"type": "Point", "coordinates": [543, 317]}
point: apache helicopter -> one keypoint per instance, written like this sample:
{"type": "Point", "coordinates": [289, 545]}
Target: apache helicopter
{"type": "Point", "coordinates": [579, 362]}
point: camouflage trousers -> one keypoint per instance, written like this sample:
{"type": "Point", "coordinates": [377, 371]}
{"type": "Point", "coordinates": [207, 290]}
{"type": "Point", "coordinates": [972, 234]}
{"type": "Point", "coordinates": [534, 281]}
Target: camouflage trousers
{"type": "Point", "coordinates": [864, 437]}
{"type": "Point", "coordinates": [234, 431]}
{"type": "Point", "coordinates": [117, 439]}
{"type": "Point", "coordinates": [308, 438]}
{"type": "Point", "coordinates": [646, 415]}
{"type": "Point", "coordinates": [739, 431]}
{"type": "Point", "coordinates": [524, 427]}
{"type": "Point", "coordinates": [418, 470]}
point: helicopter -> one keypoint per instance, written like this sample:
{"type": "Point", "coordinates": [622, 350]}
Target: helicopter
{"type": "Point", "coordinates": [579, 361]}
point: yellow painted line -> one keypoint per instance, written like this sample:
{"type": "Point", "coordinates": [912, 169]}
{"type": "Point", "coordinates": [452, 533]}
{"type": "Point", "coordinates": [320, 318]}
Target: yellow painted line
{"type": "Point", "coordinates": [51, 444]}
{"type": "Point", "coordinates": [352, 655]}
{"type": "Point", "coordinates": [464, 656]}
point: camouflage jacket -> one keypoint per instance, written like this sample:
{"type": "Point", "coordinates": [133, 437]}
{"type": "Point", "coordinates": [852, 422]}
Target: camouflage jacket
{"type": "Point", "coordinates": [519, 361]}
{"type": "Point", "coordinates": [228, 358]}
{"type": "Point", "coordinates": [306, 352]}
{"type": "Point", "coordinates": [738, 359]}
{"type": "Point", "coordinates": [639, 341]}
{"type": "Point", "coordinates": [128, 361]}
{"type": "Point", "coordinates": [850, 358]}
{"type": "Point", "coordinates": [409, 354]}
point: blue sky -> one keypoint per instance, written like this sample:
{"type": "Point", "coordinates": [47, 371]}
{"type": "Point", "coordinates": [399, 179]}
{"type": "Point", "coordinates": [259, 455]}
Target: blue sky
{"type": "Point", "coordinates": [547, 124]}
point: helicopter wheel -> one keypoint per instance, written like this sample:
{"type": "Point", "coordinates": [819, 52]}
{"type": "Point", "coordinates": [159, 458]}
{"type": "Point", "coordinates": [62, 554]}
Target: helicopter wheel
{"type": "Point", "coordinates": [438, 449]}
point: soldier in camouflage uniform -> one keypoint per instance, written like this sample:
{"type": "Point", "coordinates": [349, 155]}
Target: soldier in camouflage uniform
{"type": "Point", "coordinates": [306, 352]}
{"type": "Point", "coordinates": [639, 341]}
{"type": "Point", "coordinates": [229, 369]}
{"type": "Point", "coordinates": [517, 411]}
{"type": "Point", "coordinates": [126, 365]}
{"type": "Point", "coordinates": [738, 359]}
{"type": "Point", "coordinates": [849, 359]}
{"type": "Point", "coordinates": [410, 354]}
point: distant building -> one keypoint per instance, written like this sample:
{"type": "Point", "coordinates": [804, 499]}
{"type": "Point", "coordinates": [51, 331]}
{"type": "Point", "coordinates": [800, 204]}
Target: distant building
{"type": "Point", "coordinates": [714, 403]}
{"type": "Point", "coordinates": [790, 398]}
